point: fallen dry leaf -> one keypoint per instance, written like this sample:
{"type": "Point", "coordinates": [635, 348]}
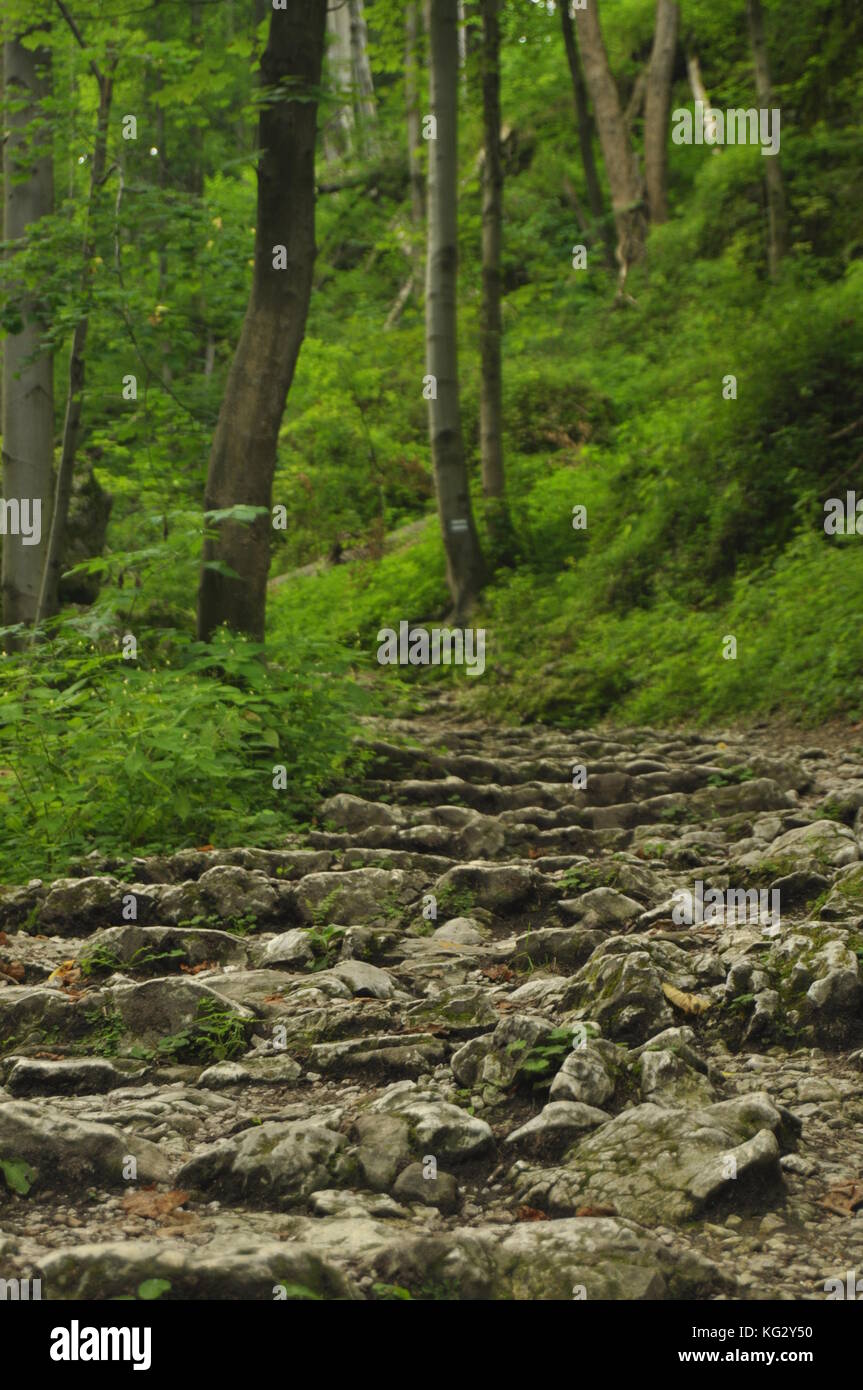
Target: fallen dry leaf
{"type": "Point", "coordinates": [154, 1205]}
{"type": "Point", "coordinates": [498, 972]}
{"type": "Point", "coordinates": [844, 1198]}
{"type": "Point", "coordinates": [687, 1003]}
{"type": "Point", "coordinates": [12, 969]}
{"type": "Point", "coordinates": [196, 969]}
{"type": "Point", "coordinates": [530, 1214]}
{"type": "Point", "coordinates": [64, 969]}
{"type": "Point", "coordinates": [596, 1211]}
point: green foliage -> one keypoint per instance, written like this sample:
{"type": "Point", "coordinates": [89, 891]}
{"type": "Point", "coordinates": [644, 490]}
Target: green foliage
{"type": "Point", "coordinates": [18, 1175]}
{"type": "Point", "coordinates": [705, 515]}
{"type": "Point", "coordinates": [137, 755]}
{"type": "Point", "coordinates": [540, 1062]}
{"type": "Point", "coordinates": [325, 943]}
{"type": "Point", "coordinates": [102, 960]}
{"type": "Point", "coordinates": [300, 1293]}
{"type": "Point", "coordinates": [454, 902]}
{"type": "Point", "coordinates": [151, 1289]}
{"type": "Point", "coordinates": [106, 1030]}
{"type": "Point", "coordinates": [216, 1035]}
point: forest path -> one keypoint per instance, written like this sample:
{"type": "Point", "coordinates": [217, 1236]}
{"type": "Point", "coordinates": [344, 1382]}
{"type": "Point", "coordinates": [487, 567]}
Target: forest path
{"type": "Point", "coordinates": [287, 1072]}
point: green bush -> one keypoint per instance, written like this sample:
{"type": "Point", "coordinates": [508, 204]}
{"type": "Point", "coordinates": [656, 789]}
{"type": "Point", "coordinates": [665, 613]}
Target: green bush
{"type": "Point", "coordinates": [98, 751]}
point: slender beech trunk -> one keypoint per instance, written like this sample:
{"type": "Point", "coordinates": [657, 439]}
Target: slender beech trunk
{"type": "Point", "coordinates": [777, 243]}
{"type": "Point", "coordinates": [195, 181]}
{"type": "Point", "coordinates": [411, 245]}
{"type": "Point", "coordinates": [364, 88]}
{"type": "Point", "coordinates": [243, 454]}
{"type": "Point", "coordinates": [620, 164]}
{"type": "Point", "coordinates": [699, 91]}
{"type": "Point", "coordinates": [657, 107]}
{"type": "Point", "coordinates": [412, 106]}
{"type": "Point", "coordinates": [464, 561]}
{"type": "Point", "coordinates": [28, 374]}
{"type": "Point", "coordinates": [338, 139]}
{"type": "Point", "coordinates": [77, 361]}
{"type": "Point", "coordinates": [491, 389]}
{"type": "Point", "coordinates": [461, 30]}
{"type": "Point", "coordinates": [585, 129]}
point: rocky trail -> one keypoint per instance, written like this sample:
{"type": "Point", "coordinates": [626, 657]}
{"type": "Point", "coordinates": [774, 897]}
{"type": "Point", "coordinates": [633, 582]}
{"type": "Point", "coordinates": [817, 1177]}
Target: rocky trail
{"type": "Point", "coordinates": [455, 1042]}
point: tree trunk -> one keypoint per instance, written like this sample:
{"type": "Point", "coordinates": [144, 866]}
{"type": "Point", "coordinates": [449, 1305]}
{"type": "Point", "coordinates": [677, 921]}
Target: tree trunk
{"type": "Point", "coordinates": [699, 91]}
{"type": "Point", "coordinates": [243, 455]}
{"type": "Point", "coordinates": [585, 129]}
{"type": "Point", "coordinates": [28, 375]}
{"type": "Point", "coordinates": [635, 105]}
{"type": "Point", "coordinates": [364, 88]}
{"type": "Point", "coordinates": [465, 566]}
{"type": "Point", "coordinates": [462, 39]}
{"type": "Point", "coordinates": [777, 244]}
{"type": "Point", "coordinates": [77, 369]}
{"type": "Point", "coordinates": [339, 129]}
{"type": "Point", "coordinates": [412, 105]}
{"type": "Point", "coordinates": [491, 390]}
{"type": "Point", "coordinates": [620, 164]}
{"type": "Point", "coordinates": [657, 106]}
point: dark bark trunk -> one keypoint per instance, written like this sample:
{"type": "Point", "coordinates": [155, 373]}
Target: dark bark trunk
{"type": "Point", "coordinates": [243, 455]}
{"type": "Point", "coordinates": [465, 566]}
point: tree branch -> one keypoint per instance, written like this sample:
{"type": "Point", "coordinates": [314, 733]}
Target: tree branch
{"type": "Point", "coordinates": [79, 39]}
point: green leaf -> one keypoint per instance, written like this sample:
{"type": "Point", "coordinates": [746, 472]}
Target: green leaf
{"type": "Point", "coordinates": [153, 1288]}
{"type": "Point", "coordinates": [18, 1174]}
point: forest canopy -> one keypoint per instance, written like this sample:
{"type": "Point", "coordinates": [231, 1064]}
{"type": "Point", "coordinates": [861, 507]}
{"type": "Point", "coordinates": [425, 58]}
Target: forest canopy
{"type": "Point", "coordinates": [241, 243]}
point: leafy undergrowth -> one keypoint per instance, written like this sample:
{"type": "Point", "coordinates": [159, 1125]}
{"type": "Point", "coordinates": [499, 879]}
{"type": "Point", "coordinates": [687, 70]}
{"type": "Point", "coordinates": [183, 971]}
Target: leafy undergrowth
{"type": "Point", "coordinates": [201, 745]}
